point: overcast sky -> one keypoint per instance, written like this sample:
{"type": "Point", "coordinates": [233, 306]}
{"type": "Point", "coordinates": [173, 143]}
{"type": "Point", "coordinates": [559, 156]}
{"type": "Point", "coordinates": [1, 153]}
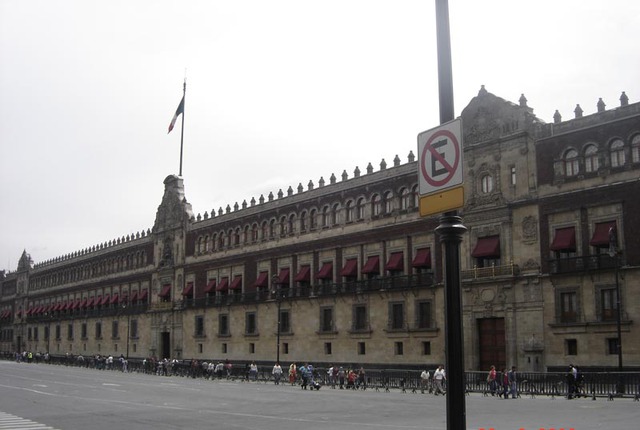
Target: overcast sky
{"type": "Point", "coordinates": [278, 93]}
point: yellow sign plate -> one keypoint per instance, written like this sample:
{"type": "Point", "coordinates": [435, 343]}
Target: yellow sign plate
{"type": "Point", "coordinates": [443, 201]}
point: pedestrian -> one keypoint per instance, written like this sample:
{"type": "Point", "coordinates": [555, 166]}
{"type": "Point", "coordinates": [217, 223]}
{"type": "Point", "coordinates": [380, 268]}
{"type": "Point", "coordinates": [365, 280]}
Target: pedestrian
{"type": "Point", "coordinates": [505, 384]}
{"type": "Point", "coordinates": [293, 373]}
{"type": "Point", "coordinates": [341, 375]}
{"type": "Point", "coordinates": [362, 380]}
{"type": "Point", "coordinates": [439, 376]}
{"type": "Point", "coordinates": [491, 380]}
{"type": "Point", "coordinates": [304, 377]}
{"type": "Point", "coordinates": [424, 381]}
{"type": "Point", "coordinates": [513, 382]}
{"type": "Point", "coordinates": [277, 373]}
{"type": "Point", "coordinates": [253, 371]}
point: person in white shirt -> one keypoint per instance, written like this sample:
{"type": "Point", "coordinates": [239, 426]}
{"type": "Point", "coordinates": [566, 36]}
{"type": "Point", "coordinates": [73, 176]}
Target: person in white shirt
{"type": "Point", "coordinates": [277, 373]}
{"type": "Point", "coordinates": [424, 380]}
{"type": "Point", "coordinates": [439, 376]}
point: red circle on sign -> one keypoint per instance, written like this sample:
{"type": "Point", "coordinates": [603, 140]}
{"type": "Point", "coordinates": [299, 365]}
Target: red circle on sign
{"type": "Point", "coordinates": [451, 169]}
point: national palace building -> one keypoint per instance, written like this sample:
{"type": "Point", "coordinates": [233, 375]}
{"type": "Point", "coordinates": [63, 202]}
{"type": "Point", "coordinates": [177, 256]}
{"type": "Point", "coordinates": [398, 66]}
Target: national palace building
{"type": "Point", "coordinates": [354, 273]}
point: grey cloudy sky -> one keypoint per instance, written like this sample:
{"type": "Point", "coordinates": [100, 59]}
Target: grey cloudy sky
{"type": "Point", "coordinates": [278, 93]}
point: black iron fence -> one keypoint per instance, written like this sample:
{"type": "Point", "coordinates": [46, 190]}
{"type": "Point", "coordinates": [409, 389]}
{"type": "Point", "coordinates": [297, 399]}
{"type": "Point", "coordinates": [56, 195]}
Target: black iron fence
{"type": "Point", "coordinates": [530, 384]}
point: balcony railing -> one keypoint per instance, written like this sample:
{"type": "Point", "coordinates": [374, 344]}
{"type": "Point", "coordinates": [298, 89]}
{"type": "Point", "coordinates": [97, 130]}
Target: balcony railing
{"type": "Point", "coordinates": [490, 272]}
{"type": "Point", "coordinates": [582, 263]}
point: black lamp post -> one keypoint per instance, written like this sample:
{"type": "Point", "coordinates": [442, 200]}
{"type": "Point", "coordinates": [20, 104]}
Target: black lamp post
{"type": "Point", "coordinates": [276, 290]}
{"type": "Point", "coordinates": [614, 252]}
{"type": "Point", "coordinates": [124, 309]}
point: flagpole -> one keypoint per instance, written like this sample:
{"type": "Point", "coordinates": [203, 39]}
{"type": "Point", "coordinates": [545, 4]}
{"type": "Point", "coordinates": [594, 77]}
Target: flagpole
{"type": "Point", "coordinates": [184, 92]}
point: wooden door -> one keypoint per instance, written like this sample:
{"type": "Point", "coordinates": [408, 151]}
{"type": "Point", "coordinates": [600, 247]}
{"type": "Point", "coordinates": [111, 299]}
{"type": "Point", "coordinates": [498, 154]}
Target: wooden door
{"type": "Point", "coordinates": [492, 343]}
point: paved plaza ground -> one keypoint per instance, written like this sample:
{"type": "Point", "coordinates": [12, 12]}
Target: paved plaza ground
{"type": "Point", "coordinates": [70, 398]}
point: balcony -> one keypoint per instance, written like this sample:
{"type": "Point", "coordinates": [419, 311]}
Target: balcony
{"type": "Point", "coordinates": [490, 272]}
{"type": "Point", "coordinates": [583, 263]}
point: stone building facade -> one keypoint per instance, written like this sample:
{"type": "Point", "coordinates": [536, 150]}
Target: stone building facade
{"type": "Point", "coordinates": [347, 271]}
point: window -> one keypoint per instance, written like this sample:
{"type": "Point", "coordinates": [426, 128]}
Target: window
{"type": "Point", "coordinates": [35, 333]}
{"type": "Point", "coordinates": [70, 331]}
{"type": "Point", "coordinates": [513, 175]}
{"type": "Point", "coordinates": [334, 214]}
{"type": "Point", "coordinates": [398, 348]}
{"type": "Point", "coordinates": [415, 196]}
{"type": "Point", "coordinates": [326, 319]}
{"type": "Point", "coordinates": [571, 346]}
{"type": "Point", "coordinates": [200, 348]}
{"type": "Point", "coordinates": [426, 348]}
{"type": "Point", "coordinates": [272, 229]}
{"type": "Point", "coordinates": [405, 199]}
{"type": "Point", "coordinates": [349, 211]}
{"type": "Point", "coordinates": [254, 233]}
{"type": "Point", "coordinates": [486, 184]}
{"type": "Point", "coordinates": [608, 304]}
{"type": "Point", "coordinates": [388, 202]}
{"type": "Point", "coordinates": [83, 331]}
{"type": "Point", "coordinates": [564, 242]}
{"type": "Point", "coordinates": [327, 348]}
{"type": "Point", "coordinates": [487, 251]}
{"type": "Point", "coordinates": [571, 167]}
{"type": "Point", "coordinates": [360, 318]}
{"type": "Point", "coordinates": [612, 346]}
{"type": "Point", "coordinates": [423, 314]}
{"type": "Point", "coordinates": [285, 321]}
{"type": "Point", "coordinates": [29, 336]}
{"type": "Point", "coordinates": [133, 329]}
{"type": "Point", "coordinates": [312, 219]}
{"type": "Point", "coordinates": [223, 325]}
{"type": "Point", "coordinates": [292, 224]}
{"type": "Point", "coordinates": [568, 307]}
{"type": "Point", "coordinates": [303, 222]}
{"type": "Point", "coordinates": [198, 326]}
{"type": "Point", "coordinates": [46, 333]}
{"type": "Point", "coordinates": [635, 149]}
{"type": "Point", "coordinates": [324, 220]}
{"type": "Point", "coordinates": [362, 348]}
{"type": "Point", "coordinates": [114, 330]}
{"type": "Point", "coordinates": [250, 323]}
{"type": "Point", "coordinates": [396, 316]}
{"type": "Point", "coordinates": [285, 348]}
{"type": "Point", "coordinates": [360, 209]}
{"type": "Point", "coordinates": [252, 348]}
{"type": "Point", "coordinates": [617, 153]}
{"type": "Point", "coordinates": [591, 163]}
{"type": "Point", "coordinates": [376, 205]}
{"type": "Point", "coordinates": [224, 348]}
{"type": "Point", "coordinates": [283, 226]}
{"type": "Point", "coordinates": [98, 330]}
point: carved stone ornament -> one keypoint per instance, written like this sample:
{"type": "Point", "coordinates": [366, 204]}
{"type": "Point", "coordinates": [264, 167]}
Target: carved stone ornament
{"type": "Point", "coordinates": [174, 210]}
{"type": "Point", "coordinates": [530, 229]}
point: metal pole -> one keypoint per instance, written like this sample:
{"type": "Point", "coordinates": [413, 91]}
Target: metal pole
{"type": "Point", "coordinates": [128, 328]}
{"type": "Point", "coordinates": [451, 230]}
{"type": "Point", "coordinates": [276, 290]}
{"type": "Point", "coordinates": [619, 328]}
{"type": "Point", "coordinates": [184, 95]}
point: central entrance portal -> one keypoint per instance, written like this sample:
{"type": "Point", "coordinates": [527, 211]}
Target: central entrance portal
{"type": "Point", "coordinates": [492, 343]}
{"type": "Point", "coordinates": [165, 344]}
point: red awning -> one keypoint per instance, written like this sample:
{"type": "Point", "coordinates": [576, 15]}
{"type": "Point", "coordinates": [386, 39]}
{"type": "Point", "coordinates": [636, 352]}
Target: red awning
{"type": "Point", "coordinates": [75, 304]}
{"type": "Point", "coordinates": [114, 299]}
{"type": "Point", "coordinates": [91, 302]}
{"type": "Point", "coordinates": [487, 247]}
{"type": "Point", "coordinates": [236, 284]}
{"type": "Point", "coordinates": [304, 275]}
{"type": "Point", "coordinates": [166, 291]}
{"type": "Point", "coordinates": [422, 258]}
{"type": "Point", "coordinates": [601, 234]}
{"type": "Point", "coordinates": [143, 296]}
{"type": "Point", "coordinates": [83, 303]}
{"type": "Point", "coordinates": [350, 268]}
{"type": "Point", "coordinates": [18, 314]}
{"type": "Point", "coordinates": [564, 239]}
{"type": "Point", "coordinates": [326, 271]}
{"type": "Point", "coordinates": [395, 262]}
{"type": "Point", "coordinates": [134, 297]}
{"type": "Point", "coordinates": [223, 285]}
{"type": "Point", "coordinates": [188, 289]}
{"type": "Point", "coordinates": [29, 311]}
{"type": "Point", "coordinates": [105, 300]}
{"type": "Point", "coordinates": [372, 265]}
{"type": "Point", "coordinates": [68, 305]}
{"type": "Point", "coordinates": [262, 281]}
{"type": "Point", "coordinates": [98, 301]}
{"type": "Point", "coordinates": [211, 287]}
{"type": "Point", "coordinates": [283, 277]}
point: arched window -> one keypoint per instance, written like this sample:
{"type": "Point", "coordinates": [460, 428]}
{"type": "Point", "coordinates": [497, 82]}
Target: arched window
{"type": "Point", "coordinates": [221, 240]}
{"type": "Point", "coordinates": [312, 219]}
{"type": "Point", "coordinates": [303, 222]}
{"type": "Point", "coordinates": [591, 159]}
{"type": "Point", "coordinates": [214, 240]}
{"type": "Point", "coordinates": [635, 149]}
{"type": "Point", "coordinates": [265, 230]}
{"type": "Point", "coordinates": [616, 151]}
{"type": "Point", "coordinates": [283, 226]}
{"type": "Point", "coordinates": [348, 213]}
{"type": "Point", "coordinates": [415, 196]}
{"type": "Point", "coordinates": [486, 183]}
{"type": "Point", "coordinates": [388, 202]}
{"type": "Point", "coordinates": [405, 199]}
{"type": "Point", "coordinates": [324, 220]}
{"type": "Point", "coordinates": [376, 205]}
{"type": "Point", "coordinates": [254, 232]}
{"type": "Point", "coordinates": [360, 209]}
{"type": "Point", "coordinates": [272, 229]}
{"type": "Point", "coordinates": [334, 214]}
{"type": "Point", "coordinates": [246, 236]}
{"type": "Point", "coordinates": [292, 224]}
{"type": "Point", "coordinates": [571, 163]}
{"type": "Point", "coordinates": [200, 245]}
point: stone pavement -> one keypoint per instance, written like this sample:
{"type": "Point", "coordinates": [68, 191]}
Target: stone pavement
{"type": "Point", "coordinates": [75, 398]}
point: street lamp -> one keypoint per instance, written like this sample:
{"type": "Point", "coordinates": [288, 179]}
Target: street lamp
{"type": "Point", "coordinates": [614, 253]}
{"type": "Point", "coordinates": [124, 308]}
{"type": "Point", "coordinates": [275, 284]}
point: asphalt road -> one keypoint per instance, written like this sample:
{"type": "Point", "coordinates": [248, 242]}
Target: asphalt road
{"type": "Point", "coordinates": [70, 398]}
